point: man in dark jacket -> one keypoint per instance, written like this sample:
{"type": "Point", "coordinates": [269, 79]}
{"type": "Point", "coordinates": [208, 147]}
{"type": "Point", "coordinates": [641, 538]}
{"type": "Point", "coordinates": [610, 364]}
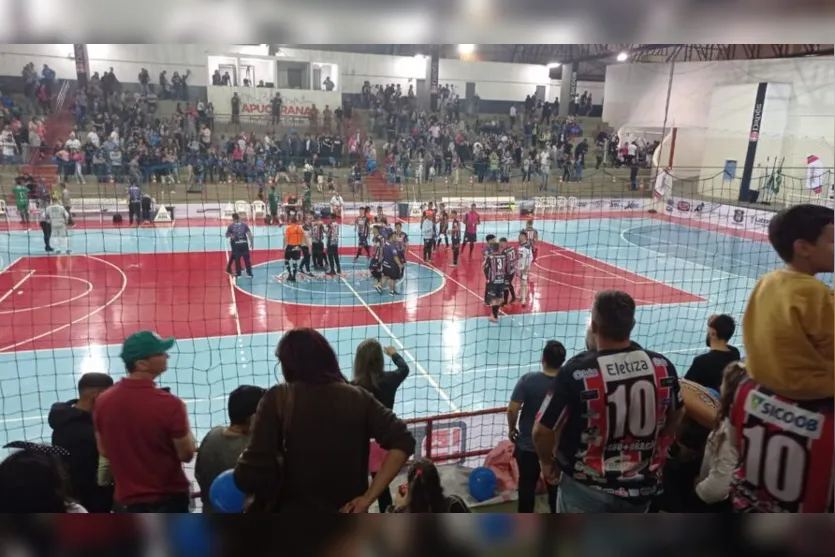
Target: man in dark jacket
{"type": "Point", "coordinates": [72, 429]}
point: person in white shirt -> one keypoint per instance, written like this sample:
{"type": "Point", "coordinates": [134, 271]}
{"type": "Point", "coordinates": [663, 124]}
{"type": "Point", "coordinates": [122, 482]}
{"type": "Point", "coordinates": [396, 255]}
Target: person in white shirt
{"type": "Point", "coordinates": [544, 168]}
{"type": "Point", "coordinates": [72, 143]}
{"type": "Point", "coordinates": [427, 233]}
{"type": "Point", "coordinates": [523, 266]}
{"type": "Point", "coordinates": [512, 116]}
{"type": "Point", "coordinates": [336, 205]}
{"type": "Point", "coordinates": [662, 190]}
{"type": "Point", "coordinates": [93, 139]}
{"type": "Point", "coordinates": [721, 454]}
{"type": "Point", "coordinates": [59, 218]}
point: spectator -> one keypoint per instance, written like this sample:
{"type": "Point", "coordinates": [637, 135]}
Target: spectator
{"type": "Point", "coordinates": [33, 480]}
{"type": "Point", "coordinates": [221, 447]}
{"type": "Point", "coordinates": [721, 456]}
{"type": "Point", "coordinates": [319, 426]}
{"type": "Point", "coordinates": [144, 431]}
{"type": "Point", "coordinates": [528, 395]}
{"type": "Point", "coordinates": [602, 426]}
{"type": "Point", "coordinates": [788, 324]}
{"type": "Point", "coordinates": [423, 492]}
{"type": "Point", "coordinates": [708, 369]}
{"type": "Point", "coordinates": [72, 430]}
{"type": "Point", "coordinates": [369, 374]}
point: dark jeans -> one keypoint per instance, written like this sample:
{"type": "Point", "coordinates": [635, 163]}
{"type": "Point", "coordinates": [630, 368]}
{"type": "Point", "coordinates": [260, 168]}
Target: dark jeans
{"type": "Point", "coordinates": [172, 504]}
{"type": "Point", "coordinates": [134, 211]}
{"type": "Point", "coordinates": [47, 233]}
{"type": "Point", "coordinates": [529, 474]}
{"type": "Point", "coordinates": [239, 251]}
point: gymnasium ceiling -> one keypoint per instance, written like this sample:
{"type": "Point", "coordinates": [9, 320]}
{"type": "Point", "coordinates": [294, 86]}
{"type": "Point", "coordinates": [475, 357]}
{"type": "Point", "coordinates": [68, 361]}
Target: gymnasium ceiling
{"type": "Point", "coordinates": [593, 57]}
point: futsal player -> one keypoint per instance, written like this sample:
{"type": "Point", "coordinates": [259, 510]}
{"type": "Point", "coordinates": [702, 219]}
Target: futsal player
{"type": "Point", "coordinates": [58, 218]}
{"type": "Point", "coordinates": [379, 217]}
{"type": "Point", "coordinates": [46, 228]}
{"type": "Point", "coordinates": [332, 236]}
{"type": "Point", "coordinates": [455, 235]}
{"type": "Point", "coordinates": [240, 238]}
{"type": "Point", "coordinates": [135, 203]}
{"type": "Point", "coordinates": [495, 270]}
{"type": "Point", "coordinates": [523, 266]}
{"type": "Point", "coordinates": [510, 253]}
{"type": "Point", "coordinates": [317, 243]}
{"type": "Point", "coordinates": [400, 240]}
{"type": "Point", "coordinates": [293, 242]}
{"type": "Point", "coordinates": [427, 232]}
{"type": "Point", "coordinates": [307, 228]}
{"type": "Point", "coordinates": [533, 238]}
{"type": "Point", "coordinates": [443, 226]}
{"type": "Point", "coordinates": [272, 200]}
{"type": "Point", "coordinates": [392, 268]}
{"type": "Point", "coordinates": [471, 222]}
{"type": "Point", "coordinates": [21, 197]}
{"type": "Point", "coordinates": [363, 225]}
{"type": "Point", "coordinates": [375, 262]}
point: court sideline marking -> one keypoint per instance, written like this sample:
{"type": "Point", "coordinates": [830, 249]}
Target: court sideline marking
{"type": "Point", "coordinates": [232, 291]}
{"type": "Point", "coordinates": [16, 286]}
{"type": "Point", "coordinates": [83, 317]}
{"type": "Point", "coordinates": [406, 353]}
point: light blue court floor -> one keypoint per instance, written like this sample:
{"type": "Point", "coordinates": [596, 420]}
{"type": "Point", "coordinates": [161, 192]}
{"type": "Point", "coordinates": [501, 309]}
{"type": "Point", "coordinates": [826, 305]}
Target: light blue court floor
{"type": "Point", "coordinates": [459, 361]}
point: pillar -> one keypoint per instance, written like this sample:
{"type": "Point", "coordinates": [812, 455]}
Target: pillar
{"type": "Point", "coordinates": [568, 86]}
{"type": "Point", "coordinates": [82, 64]}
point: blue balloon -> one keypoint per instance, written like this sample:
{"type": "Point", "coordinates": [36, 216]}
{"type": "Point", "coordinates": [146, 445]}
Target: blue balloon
{"type": "Point", "coordinates": [483, 483]}
{"type": "Point", "coordinates": [225, 495]}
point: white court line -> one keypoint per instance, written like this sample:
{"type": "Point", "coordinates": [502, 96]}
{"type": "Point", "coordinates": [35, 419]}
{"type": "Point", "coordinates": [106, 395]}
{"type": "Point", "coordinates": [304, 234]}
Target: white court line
{"type": "Point", "coordinates": [592, 290]}
{"type": "Point", "coordinates": [406, 353]}
{"type": "Point", "coordinates": [83, 317]}
{"type": "Point", "coordinates": [652, 280]}
{"type": "Point", "coordinates": [610, 276]}
{"type": "Point", "coordinates": [12, 264]}
{"type": "Point", "coordinates": [53, 304]}
{"type": "Point", "coordinates": [16, 286]}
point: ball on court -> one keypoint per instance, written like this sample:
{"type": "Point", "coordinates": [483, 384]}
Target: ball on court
{"type": "Point", "coordinates": [482, 483]}
{"type": "Point", "coordinates": [225, 495]}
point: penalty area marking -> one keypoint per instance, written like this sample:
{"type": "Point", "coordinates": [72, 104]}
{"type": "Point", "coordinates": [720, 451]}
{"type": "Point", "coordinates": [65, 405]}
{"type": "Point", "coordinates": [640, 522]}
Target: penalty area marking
{"type": "Point", "coordinates": [52, 304]}
{"type": "Point", "coordinates": [16, 286]}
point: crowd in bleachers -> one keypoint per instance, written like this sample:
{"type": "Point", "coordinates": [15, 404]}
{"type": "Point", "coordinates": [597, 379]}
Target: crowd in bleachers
{"type": "Point", "coordinates": [752, 436]}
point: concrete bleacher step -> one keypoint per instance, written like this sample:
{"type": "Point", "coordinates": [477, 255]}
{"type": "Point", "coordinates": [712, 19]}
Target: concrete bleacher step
{"type": "Point", "coordinates": [379, 190]}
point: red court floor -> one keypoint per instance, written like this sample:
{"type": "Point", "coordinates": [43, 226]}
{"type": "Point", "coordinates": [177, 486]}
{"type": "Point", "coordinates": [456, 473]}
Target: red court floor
{"type": "Point", "coordinates": [66, 301]}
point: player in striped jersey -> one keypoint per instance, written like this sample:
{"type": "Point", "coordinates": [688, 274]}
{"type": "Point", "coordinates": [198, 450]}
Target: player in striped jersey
{"type": "Point", "coordinates": [400, 240]}
{"type": "Point", "coordinates": [787, 456]}
{"type": "Point", "coordinates": [455, 236]}
{"type": "Point", "coordinates": [375, 262]}
{"type": "Point", "coordinates": [443, 225]}
{"type": "Point", "coordinates": [317, 243]}
{"type": "Point", "coordinates": [510, 253]}
{"type": "Point", "coordinates": [332, 235]}
{"type": "Point", "coordinates": [523, 265]}
{"type": "Point", "coordinates": [363, 224]}
{"type": "Point", "coordinates": [495, 270]}
{"type": "Point", "coordinates": [379, 218]}
{"type": "Point", "coordinates": [533, 238]}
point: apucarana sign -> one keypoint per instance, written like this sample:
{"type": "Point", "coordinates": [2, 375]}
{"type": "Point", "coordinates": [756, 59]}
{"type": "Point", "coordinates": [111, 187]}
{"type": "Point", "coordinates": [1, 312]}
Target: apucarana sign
{"type": "Point", "coordinates": [295, 107]}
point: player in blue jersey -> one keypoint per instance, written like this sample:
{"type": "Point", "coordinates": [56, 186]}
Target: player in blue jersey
{"type": "Point", "coordinates": [317, 243]}
{"type": "Point", "coordinates": [135, 203]}
{"type": "Point", "coordinates": [401, 242]}
{"type": "Point", "coordinates": [392, 268]}
{"type": "Point", "coordinates": [240, 238]}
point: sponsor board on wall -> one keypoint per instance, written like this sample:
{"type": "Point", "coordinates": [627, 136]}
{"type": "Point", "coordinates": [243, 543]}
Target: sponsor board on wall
{"type": "Point", "coordinates": [295, 108]}
{"type": "Point", "coordinates": [584, 205]}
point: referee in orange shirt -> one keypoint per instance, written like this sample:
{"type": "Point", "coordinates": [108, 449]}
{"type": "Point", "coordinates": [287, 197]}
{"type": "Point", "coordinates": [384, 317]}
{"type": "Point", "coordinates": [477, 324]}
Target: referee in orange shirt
{"type": "Point", "coordinates": [293, 241]}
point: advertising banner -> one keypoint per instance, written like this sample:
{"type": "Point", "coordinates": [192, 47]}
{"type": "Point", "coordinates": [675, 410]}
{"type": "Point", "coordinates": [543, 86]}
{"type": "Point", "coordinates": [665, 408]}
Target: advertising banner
{"type": "Point", "coordinates": [295, 106]}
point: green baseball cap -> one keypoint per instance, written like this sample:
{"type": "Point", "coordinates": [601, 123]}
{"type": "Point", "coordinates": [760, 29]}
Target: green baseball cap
{"type": "Point", "coordinates": [143, 345]}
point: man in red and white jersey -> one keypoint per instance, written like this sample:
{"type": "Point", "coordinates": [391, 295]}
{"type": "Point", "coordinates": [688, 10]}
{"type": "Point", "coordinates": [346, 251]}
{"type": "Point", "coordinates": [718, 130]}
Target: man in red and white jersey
{"type": "Point", "coordinates": [787, 452]}
{"type": "Point", "coordinates": [610, 418]}
{"type": "Point", "coordinates": [471, 222]}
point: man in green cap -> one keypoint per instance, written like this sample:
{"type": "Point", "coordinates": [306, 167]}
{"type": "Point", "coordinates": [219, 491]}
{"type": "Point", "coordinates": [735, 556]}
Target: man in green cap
{"type": "Point", "coordinates": [21, 198]}
{"type": "Point", "coordinates": [144, 431]}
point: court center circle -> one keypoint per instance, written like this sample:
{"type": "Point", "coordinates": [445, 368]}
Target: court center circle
{"type": "Point", "coordinates": [355, 287]}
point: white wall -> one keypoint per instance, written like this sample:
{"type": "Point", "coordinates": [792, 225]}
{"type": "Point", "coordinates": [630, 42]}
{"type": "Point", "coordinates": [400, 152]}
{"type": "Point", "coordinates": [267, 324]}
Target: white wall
{"type": "Point", "coordinates": [494, 80]}
{"type": "Point", "coordinates": [711, 105]}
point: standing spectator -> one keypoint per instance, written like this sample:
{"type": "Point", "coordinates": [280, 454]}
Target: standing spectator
{"type": "Point", "coordinates": [528, 395]}
{"type": "Point", "coordinates": [369, 374]}
{"type": "Point", "coordinates": [221, 447]}
{"type": "Point", "coordinates": [707, 369]}
{"type": "Point", "coordinates": [611, 417]}
{"type": "Point", "coordinates": [72, 430]}
{"type": "Point", "coordinates": [236, 108]}
{"type": "Point", "coordinates": [319, 427]}
{"type": "Point", "coordinates": [144, 432]}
